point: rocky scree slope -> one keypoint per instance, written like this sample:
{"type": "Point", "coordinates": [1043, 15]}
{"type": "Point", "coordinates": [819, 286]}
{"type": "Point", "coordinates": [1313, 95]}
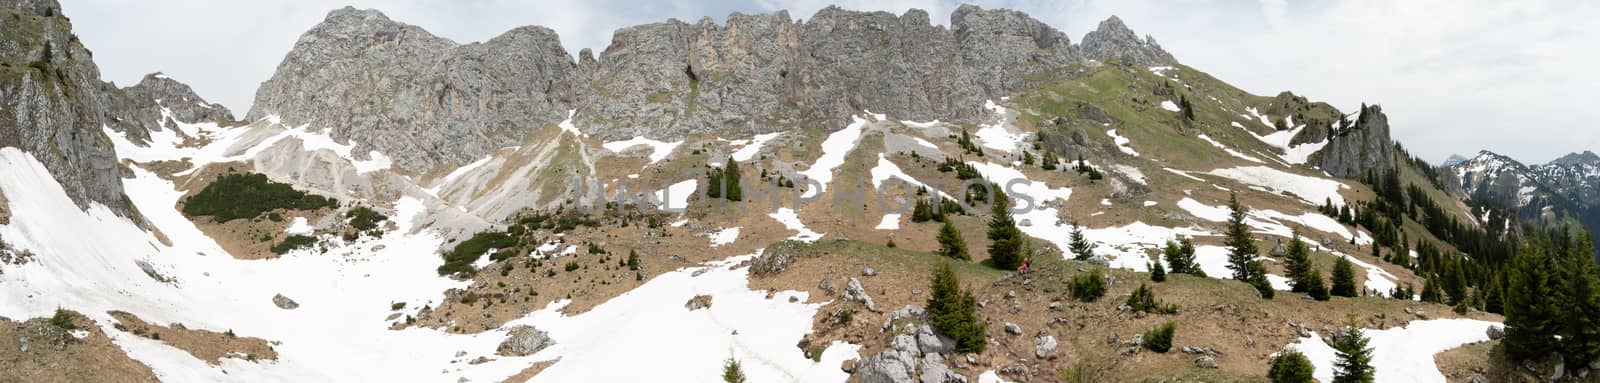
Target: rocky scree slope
{"type": "Point", "coordinates": [427, 101]}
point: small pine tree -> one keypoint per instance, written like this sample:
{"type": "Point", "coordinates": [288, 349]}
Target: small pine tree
{"type": "Point", "coordinates": [1291, 366]}
{"type": "Point", "coordinates": [1344, 279]}
{"type": "Point", "coordinates": [1354, 358]}
{"type": "Point", "coordinates": [1581, 314]}
{"type": "Point", "coordinates": [922, 211]}
{"type": "Point", "coordinates": [1081, 248]}
{"type": "Point", "coordinates": [1027, 158]}
{"type": "Point", "coordinates": [1180, 258]}
{"type": "Point", "coordinates": [1143, 299]}
{"type": "Point", "coordinates": [1158, 273]}
{"type": "Point", "coordinates": [1430, 291]}
{"type": "Point", "coordinates": [1258, 279]}
{"type": "Point", "coordinates": [1241, 247]}
{"type": "Point", "coordinates": [732, 191]}
{"type": "Point", "coordinates": [1315, 287]}
{"type": "Point", "coordinates": [1159, 339]}
{"type": "Point", "coordinates": [633, 260]}
{"type": "Point", "coordinates": [732, 371]}
{"type": "Point", "coordinates": [952, 311]}
{"type": "Point", "coordinates": [1005, 240]}
{"type": "Point", "coordinates": [950, 242]}
{"type": "Point", "coordinates": [1298, 264]}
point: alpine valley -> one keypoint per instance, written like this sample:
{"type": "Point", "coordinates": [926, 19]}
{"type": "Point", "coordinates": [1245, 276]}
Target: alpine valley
{"type": "Point", "coordinates": [849, 196]}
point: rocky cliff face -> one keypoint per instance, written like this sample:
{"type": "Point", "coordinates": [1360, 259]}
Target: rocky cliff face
{"type": "Point", "coordinates": [1113, 39]}
{"type": "Point", "coordinates": [425, 101]}
{"type": "Point", "coordinates": [135, 111]}
{"type": "Point", "coordinates": [1568, 187]}
{"type": "Point", "coordinates": [52, 102]}
{"type": "Point", "coordinates": [1364, 146]}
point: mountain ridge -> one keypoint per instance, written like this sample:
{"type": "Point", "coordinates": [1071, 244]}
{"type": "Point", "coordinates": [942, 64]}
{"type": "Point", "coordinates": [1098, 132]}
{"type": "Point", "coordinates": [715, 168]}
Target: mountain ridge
{"type": "Point", "coordinates": [755, 74]}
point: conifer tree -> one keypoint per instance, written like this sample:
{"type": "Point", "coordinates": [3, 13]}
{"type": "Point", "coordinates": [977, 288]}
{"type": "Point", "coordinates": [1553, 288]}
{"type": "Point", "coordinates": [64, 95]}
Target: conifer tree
{"type": "Point", "coordinates": [1493, 297]}
{"type": "Point", "coordinates": [1241, 247]}
{"type": "Point", "coordinates": [1081, 249]}
{"type": "Point", "coordinates": [1532, 304]}
{"type": "Point", "coordinates": [1581, 314]}
{"type": "Point", "coordinates": [732, 371]}
{"type": "Point", "coordinates": [950, 242]}
{"type": "Point", "coordinates": [1158, 273]}
{"type": "Point", "coordinates": [1298, 264]}
{"type": "Point", "coordinates": [1005, 240]}
{"type": "Point", "coordinates": [1344, 279]}
{"type": "Point", "coordinates": [1180, 258]}
{"type": "Point", "coordinates": [1354, 359]}
{"type": "Point", "coordinates": [1430, 291]}
{"type": "Point", "coordinates": [732, 191]}
{"type": "Point", "coordinates": [952, 311]}
{"type": "Point", "coordinates": [1315, 287]}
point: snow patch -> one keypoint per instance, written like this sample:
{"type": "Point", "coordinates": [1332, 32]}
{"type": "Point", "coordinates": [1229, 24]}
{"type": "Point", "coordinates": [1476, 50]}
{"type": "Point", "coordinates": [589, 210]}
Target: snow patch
{"type": "Point", "coordinates": [659, 150]}
{"type": "Point", "coordinates": [1404, 353]}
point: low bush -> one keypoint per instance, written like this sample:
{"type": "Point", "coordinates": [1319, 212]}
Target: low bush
{"type": "Point", "coordinates": [1087, 287]}
{"type": "Point", "coordinates": [248, 195]}
{"type": "Point", "coordinates": [292, 243]}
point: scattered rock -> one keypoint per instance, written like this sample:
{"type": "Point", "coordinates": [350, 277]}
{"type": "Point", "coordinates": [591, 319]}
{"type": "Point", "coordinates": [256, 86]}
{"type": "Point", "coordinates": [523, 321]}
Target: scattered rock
{"type": "Point", "coordinates": [1013, 329]}
{"type": "Point", "coordinates": [1421, 314]}
{"type": "Point", "coordinates": [698, 302]}
{"type": "Point", "coordinates": [909, 311]}
{"type": "Point", "coordinates": [1045, 347]}
{"type": "Point", "coordinates": [827, 288]}
{"type": "Point", "coordinates": [524, 340]}
{"type": "Point", "coordinates": [1056, 305]}
{"type": "Point", "coordinates": [284, 302]}
{"type": "Point", "coordinates": [1496, 332]}
{"type": "Point", "coordinates": [868, 272]}
{"type": "Point", "coordinates": [773, 261]}
{"type": "Point", "coordinates": [1477, 378]}
{"type": "Point", "coordinates": [1111, 338]}
{"type": "Point", "coordinates": [854, 292]}
{"type": "Point", "coordinates": [1205, 362]}
{"type": "Point", "coordinates": [1011, 294]}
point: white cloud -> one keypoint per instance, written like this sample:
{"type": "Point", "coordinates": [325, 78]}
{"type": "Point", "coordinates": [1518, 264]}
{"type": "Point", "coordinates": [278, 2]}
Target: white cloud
{"type": "Point", "coordinates": [1454, 76]}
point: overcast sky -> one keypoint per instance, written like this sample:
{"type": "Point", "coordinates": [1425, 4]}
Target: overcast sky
{"type": "Point", "coordinates": [1515, 77]}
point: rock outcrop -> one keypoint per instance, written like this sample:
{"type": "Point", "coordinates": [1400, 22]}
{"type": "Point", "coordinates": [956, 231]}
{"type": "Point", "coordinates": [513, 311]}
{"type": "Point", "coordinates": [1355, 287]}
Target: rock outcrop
{"type": "Point", "coordinates": [524, 340]}
{"type": "Point", "coordinates": [1364, 146]}
{"type": "Point", "coordinates": [52, 103]}
{"type": "Point", "coordinates": [425, 101]}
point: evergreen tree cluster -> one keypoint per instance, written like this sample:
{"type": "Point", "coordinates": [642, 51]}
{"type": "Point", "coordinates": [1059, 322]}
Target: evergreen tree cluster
{"type": "Point", "coordinates": [249, 195]}
{"type": "Point", "coordinates": [1180, 258]}
{"type": "Point", "coordinates": [1552, 300]}
{"type": "Point", "coordinates": [724, 182]}
{"type": "Point", "coordinates": [953, 311]}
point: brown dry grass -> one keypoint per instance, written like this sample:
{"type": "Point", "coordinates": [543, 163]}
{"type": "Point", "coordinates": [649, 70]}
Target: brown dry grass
{"type": "Point", "coordinates": [209, 346]}
{"type": "Point", "coordinates": [91, 359]}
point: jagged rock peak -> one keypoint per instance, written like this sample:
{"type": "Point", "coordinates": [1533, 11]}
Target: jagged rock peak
{"type": "Point", "coordinates": [1587, 157]}
{"type": "Point", "coordinates": [1113, 39]}
{"type": "Point", "coordinates": [179, 98]}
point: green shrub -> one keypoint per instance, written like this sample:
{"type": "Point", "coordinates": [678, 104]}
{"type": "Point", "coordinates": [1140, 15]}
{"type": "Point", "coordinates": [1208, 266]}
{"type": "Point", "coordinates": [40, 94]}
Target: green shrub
{"type": "Point", "coordinates": [1159, 339]}
{"type": "Point", "coordinates": [63, 320]}
{"type": "Point", "coordinates": [292, 243]}
{"type": "Point", "coordinates": [460, 258]}
{"type": "Point", "coordinates": [1290, 366]}
{"type": "Point", "coordinates": [364, 219]}
{"type": "Point", "coordinates": [572, 266]}
{"type": "Point", "coordinates": [1087, 287]}
{"type": "Point", "coordinates": [243, 196]}
{"type": "Point", "coordinates": [1144, 300]}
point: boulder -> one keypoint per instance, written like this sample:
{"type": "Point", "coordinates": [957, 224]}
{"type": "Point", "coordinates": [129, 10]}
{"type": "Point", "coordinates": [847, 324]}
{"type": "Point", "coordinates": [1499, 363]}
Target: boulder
{"type": "Point", "coordinates": [1044, 347]}
{"type": "Point", "coordinates": [909, 311]}
{"type": "Point", "coordinates": [284, 302]}
{"type": "Point", "coordinates": [868, 272]}
{"type": "Point", "coordinates": [931, 343]}
{"type": "Point", "coordinates": [1496, 332]}
{"type": "Point", "coordinates": [524, 340]}
{"type": "Point", "coordinates": [1013, 329]}
{"type": "Point", "coordinates": [1205, 362]}
{"type": "Point", "coordinates": [854, 292]}
{"type": "Point", "coordinates": [935, 371]}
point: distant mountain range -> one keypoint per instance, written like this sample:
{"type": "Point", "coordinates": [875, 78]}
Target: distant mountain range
{"type": "Point", "coordinates": [1566, 189]}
